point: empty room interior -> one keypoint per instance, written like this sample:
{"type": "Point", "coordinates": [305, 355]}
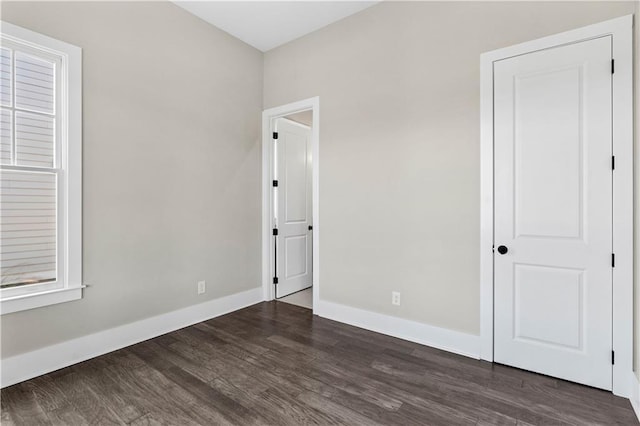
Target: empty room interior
{"type": "Point", "coordinates": [319, 212]}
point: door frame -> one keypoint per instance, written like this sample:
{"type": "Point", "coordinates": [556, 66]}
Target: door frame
{"type": "Point", "coordinates": [621, 30]}
{"type": "Point", "coordinates": [268, 252]}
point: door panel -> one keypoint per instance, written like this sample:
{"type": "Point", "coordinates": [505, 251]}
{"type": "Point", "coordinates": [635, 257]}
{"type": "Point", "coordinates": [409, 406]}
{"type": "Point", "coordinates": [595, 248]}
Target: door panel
{"type": "Point", "coordinates": [296, 256]}
{"type": "Point", "coordinates": [553, 211]}
{"type": "Point", "coordinates": [294, 147]}
{"type": "Point", "coordinates": [293, 214]}
{"type": "Point", "coordinates": [535, 145]}
{"type": "Point", "coordinates": [549, 306]}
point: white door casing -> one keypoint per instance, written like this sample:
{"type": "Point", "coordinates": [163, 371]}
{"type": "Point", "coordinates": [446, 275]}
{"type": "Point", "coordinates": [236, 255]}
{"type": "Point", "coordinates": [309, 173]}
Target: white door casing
{"type": "Point", "coordinates": [553, 211]}
{"type": "Point", "coordinates": [293, 213]}
{"type": "Point", "coordinates": [269, 116]}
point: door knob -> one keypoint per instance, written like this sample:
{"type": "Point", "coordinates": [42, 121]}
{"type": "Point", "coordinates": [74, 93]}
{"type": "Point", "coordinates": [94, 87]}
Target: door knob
{"type": "Point", "coordinates": [310, 227]}
{"type": "Point", "coordinates": [503, 249]}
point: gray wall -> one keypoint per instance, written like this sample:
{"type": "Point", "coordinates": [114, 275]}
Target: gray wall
{"type": "Point", "coordinates": [171, 191]}
{"type": "Point", "coordinates": [399, 144]}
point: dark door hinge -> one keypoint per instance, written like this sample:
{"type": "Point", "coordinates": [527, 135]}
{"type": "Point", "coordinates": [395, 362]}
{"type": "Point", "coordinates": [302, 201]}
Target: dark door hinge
{"type": "Point", "coordinates": [613, 66]}
{"type": "Point", "coordinates": [275, 135]}
{"type": "Point", "coordinates": [613, 162]}
{"type": "Point", "coordinates": [275, 231]}
{"type": "Point", "coordinates": [275, 183]}
{"type": "Point", "coordinates": [613, 358]}
{"type": "Point", "coordinates": [613, 260]}
{"type": "Point", "coordinates": [275, 280]}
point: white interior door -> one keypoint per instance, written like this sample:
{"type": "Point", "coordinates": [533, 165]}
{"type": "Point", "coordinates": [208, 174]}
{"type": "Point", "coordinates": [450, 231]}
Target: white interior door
{"type": "Point", "coordinates": [553, 212]}
{"type": "Point", "coordinates": [293, 212]}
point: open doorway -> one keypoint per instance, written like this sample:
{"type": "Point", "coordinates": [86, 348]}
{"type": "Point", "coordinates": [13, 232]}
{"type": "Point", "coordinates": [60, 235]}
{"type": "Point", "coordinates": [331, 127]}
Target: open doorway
{"type": "Point", "coordinates": [290, 203]}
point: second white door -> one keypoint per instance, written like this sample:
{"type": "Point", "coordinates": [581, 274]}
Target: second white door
{"type": "Point", "coordinates": [553, 212]}
{"type": "Point", "coordinates": [293, 207]}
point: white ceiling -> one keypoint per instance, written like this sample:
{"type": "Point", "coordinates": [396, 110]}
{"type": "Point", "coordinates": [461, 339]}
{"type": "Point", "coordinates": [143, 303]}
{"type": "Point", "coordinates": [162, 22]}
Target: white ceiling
{"type": "Point", "coordinates": [268, 24]}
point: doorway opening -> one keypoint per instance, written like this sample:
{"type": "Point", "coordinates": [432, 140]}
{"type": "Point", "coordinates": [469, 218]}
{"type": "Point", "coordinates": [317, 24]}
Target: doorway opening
{"type": "Point", "coordinates": [290, 203]}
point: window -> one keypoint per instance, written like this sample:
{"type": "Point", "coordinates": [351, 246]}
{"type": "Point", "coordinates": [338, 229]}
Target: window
{"type": "Point", "coordinates": [40, 170]}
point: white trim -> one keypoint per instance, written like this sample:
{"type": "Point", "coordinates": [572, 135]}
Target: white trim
{"type": "Point", "coordinates": [268, 116]}
{"type": "Point", "coordinates": [68, 169]}
{"type": "Point", "coordinates": [486, 208]}
{"type": "Point", "coordinates": [623, 210]}
{"type": "Point", "coordinates": [424, 334]}
{"type": "Point", "coordinates": [621, 31]}
{"type": "Point", "coordinates": [41, 361]}
{"type": "Point", "coordinates": [37, 300]}
{"type": "Point", "coordinates": [634, 397]}
{"type": "Point", "coordinates": [73, 182]}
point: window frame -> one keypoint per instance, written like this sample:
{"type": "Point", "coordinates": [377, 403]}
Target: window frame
{"type": "Point", "coordinates": [68, 169]}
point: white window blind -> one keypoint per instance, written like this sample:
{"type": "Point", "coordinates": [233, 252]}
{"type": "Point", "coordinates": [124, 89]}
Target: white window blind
{"type": "Point", "coordinates": [29, 170]}
{"type": "Point", "coordinates": [28, 236]}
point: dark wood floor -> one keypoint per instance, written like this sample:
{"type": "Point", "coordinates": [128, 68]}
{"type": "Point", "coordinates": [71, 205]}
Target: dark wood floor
{"type": "Point", "coordinates": [276, 364]}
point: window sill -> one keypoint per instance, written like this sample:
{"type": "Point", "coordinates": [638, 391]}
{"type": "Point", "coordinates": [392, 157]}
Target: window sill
{"type": "Point", "coordinates": [37, 300]}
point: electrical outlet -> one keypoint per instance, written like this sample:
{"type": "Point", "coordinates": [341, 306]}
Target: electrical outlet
{"type": "Point", "coordinates": [202, 287]}
{"type": "Point", "coordinates": [395, 298]}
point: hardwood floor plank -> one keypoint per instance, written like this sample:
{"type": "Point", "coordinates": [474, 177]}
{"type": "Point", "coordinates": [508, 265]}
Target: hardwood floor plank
{"type": "Point", "coordinates": [230, 407]}
{"type": "Point", "coordinates": [188, 358]}
{"type": "Point", "coordinates": [345, 415]}
{"type": "Point", "coordinates": [23, 408]}
{"type": "Point", "coordinates": [46, 393]}
{"type": "Point", "coordinates": [276, 364]}
{"type": "Point", "coordinates": [329, 383]}
{"type": "Point", "coordinates": [152, 393]}
{"type": "Point", "coordinates": [297, 411]}
{"type": "Point", "coordinates": [461, 395]}
{"type": "Point", "coordinates": [567, 405]}
{"type": "Point", "coordinates": [148, 420]}
{"type": "Point", "coordinates": [110, 392]}
{"type": "Point", "coordinates": [355, 386]}
{"type": "Point", "coordinates": [250, 397]}
{"type": "Point", "coordinates": [232, 339]}
{"type": "Point", "coordinates": [294, 374]}
{"type": "Point", "coordinates": [85, 402]}
{"type": "Point", "coordinates": [5, 418]}
{"type": "Point", "coordinates": [66, 415]}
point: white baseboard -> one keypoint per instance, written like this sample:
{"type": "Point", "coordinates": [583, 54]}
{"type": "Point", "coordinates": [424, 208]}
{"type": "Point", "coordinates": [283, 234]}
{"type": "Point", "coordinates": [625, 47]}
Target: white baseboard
{"type": "Point", "coordinates": [440, 338]}
{"type": "Point", "coordinates": [25, 366]}
{"type": "Point", "coordinates": [635, 394]}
